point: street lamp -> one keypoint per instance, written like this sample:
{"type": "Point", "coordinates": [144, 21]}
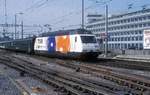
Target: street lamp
{"type": "Point", "coordinates": [16, 22]}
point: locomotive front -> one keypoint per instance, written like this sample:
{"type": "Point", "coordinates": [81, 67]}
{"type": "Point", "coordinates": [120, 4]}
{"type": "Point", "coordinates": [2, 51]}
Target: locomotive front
{"type": "Point", "coordinates": [90, 47]}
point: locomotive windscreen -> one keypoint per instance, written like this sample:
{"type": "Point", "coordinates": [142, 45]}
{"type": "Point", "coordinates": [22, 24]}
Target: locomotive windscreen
{"type": "Point", "coordinates": [88, 39]}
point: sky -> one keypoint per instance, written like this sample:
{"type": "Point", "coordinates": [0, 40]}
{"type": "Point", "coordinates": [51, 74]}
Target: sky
{"type": "Point", "coordinates": [62, 13]}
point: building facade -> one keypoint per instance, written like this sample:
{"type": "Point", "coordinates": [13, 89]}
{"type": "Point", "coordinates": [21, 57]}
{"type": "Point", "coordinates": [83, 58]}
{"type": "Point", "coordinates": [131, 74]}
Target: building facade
{"type": "Point", "coordinates": [125, 31]}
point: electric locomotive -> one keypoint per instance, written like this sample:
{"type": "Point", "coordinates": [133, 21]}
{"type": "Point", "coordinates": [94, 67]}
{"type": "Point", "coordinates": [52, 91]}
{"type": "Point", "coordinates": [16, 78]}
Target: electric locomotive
{"type": "Point", "coordinates": [76, 43]}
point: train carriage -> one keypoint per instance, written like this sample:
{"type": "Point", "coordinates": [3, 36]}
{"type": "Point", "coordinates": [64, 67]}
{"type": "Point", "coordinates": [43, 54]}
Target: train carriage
{"type": "Point", "coordinates": [21, 45]}
{"type": "Point", "coordinates": [76, 43]}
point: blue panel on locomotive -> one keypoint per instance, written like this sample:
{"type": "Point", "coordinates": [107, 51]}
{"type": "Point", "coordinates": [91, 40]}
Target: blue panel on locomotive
{"type": "Point", "coordinates": [51, 44]}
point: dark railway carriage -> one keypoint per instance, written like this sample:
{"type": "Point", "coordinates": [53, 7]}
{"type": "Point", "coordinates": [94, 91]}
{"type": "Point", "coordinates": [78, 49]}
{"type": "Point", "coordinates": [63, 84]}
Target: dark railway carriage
{"type": "Point", "coordinates": [21, 45]}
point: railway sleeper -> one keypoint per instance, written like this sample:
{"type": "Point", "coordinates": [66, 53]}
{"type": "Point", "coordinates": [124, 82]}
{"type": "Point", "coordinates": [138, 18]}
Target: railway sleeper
{"type": "Point", "coordinates": [111, 78]}
{"type": "Point", "coordinates": [110, 72]}
{"type": "Point", "coordinates": [29, 72]}
{"type": "Point", "coordinates": [120, 82]}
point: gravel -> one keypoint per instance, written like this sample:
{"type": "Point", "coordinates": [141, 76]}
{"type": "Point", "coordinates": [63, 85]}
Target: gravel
{"type": "Point", "coordinates": [36, 86]}
{"type": "Point", "coordinates": [7, 87]}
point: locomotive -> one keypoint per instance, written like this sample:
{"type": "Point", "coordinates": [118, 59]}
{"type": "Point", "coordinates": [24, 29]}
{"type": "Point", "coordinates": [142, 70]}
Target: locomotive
{"type": "Point", "coordinates": [75, 43]}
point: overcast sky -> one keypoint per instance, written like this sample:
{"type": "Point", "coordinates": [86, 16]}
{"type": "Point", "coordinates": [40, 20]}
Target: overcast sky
{"type": "Point", "coordinates": [61, 13]}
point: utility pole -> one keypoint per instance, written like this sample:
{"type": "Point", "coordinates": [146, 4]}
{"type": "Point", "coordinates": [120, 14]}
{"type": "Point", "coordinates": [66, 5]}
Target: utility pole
{"type": "Point", "coordinates": [106, 30]}
{"type": "Point", "coordinates": [5, 12]}
{"type": "Point", "coordinates": [22, 29]}
{"type": "Point", "coordinates": [5, 27]}
{"type": "Point", "coordinates": [15, 25]}
{"type": "Point", "coordinates": [82, 14]}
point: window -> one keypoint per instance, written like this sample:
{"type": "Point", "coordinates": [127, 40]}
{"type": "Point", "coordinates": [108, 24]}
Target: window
{"type": "Point", "coordinates": [125, 46]}
{"type": "Point", "coordinates": [112, 39]}
{"type": "Point", "coordinates": [140, 18]}
{"type": "Point", "coordinates": [118, 39]}
{"type": "Point", "coordinates": [140, 38]}
{"type": "Point", "coordinates": [136, 38]}
{"type": "Point", "coordinates": [75, 39]}
{"type": "Point", "coordinates": [140, 25]}
{"type": "Point", "coordinates": [132, 38]}
{"type": "Point", "coordinates": [135, 19]}
{"type": "Point", "coordinates": [128, 38]}
{"type": "Point", "coordinates": [144, 18]}
{"type": "Point", "coordinates": [121, 38]}
{"type": "Point", "coordinates": [125, 38]}
{"type": "Point", "coordinates": [144, 24]}
{"type": "Point", "coordinates": [140, 32]}
{"type": "Point", "coordinates": [136, 45]}
{"type": "Point", "coordinates": [88, 39]}
{"type": "Point", "coordinates": [136, 32]}
{"type": "Point", "coordinates": [141, 46]}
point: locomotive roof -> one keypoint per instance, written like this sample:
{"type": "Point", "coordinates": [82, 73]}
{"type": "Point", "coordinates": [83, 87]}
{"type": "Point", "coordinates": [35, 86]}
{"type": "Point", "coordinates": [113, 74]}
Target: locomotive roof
{"type": "Point", "coordinates": [66, 32]}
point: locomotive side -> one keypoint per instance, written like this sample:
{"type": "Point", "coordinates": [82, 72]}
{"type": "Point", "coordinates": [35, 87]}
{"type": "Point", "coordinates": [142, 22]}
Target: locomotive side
{"type": "Point", "coordinates": [77, 43]}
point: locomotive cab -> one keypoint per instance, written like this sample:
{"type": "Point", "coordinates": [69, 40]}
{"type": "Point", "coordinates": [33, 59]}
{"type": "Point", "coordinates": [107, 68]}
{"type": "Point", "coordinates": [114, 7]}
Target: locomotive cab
{"type": "Point", "coordinates": [89, 43]}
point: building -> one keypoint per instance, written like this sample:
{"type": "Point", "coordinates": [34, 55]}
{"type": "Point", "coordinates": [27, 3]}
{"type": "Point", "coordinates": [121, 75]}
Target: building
{"type": "Point", "coordinates": [125, 31]}
{"type": "Point", "coordinates": [94, 17]}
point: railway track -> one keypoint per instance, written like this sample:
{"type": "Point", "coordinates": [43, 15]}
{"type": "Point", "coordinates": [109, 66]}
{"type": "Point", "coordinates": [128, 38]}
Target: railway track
{"type": "Point", "coordinates": [70, 83]}
{"type": "Point", "coordinates": [135, 82]}
{"type": "Point", "coordinates": [66, 82]}
{"type": "Point", "coordinates": [129, 64]}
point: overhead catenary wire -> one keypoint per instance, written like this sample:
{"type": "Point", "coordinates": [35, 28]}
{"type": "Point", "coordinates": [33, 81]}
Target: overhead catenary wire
{"type": "Point", "coordinates": [79, 11]}
{"type": "Point", "coordinates": [36, 5]}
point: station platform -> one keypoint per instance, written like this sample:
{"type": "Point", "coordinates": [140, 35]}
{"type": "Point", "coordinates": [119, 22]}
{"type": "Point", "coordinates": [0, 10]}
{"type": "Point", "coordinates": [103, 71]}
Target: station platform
{"type": "Point", "coordinates": [142, 58]}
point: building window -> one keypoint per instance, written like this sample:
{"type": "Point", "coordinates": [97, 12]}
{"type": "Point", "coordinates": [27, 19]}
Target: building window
{"type": "Point", "coordinates": [136, 38]}
{"type": "Point", "coordinates": [121, 38]}
{"type": "Point", "coordinates": [112, 39]}
{"type": "Point", "coordinates": [129, 46]}
{"type": "Point", "coordinates": [118, 39]}
{"type": "Point", "coordinates": [132, 38]}
{"type": "Point", "coordinates": [141, 46]}
{"type": "Point", "coordinates": [140, 25]}
{"type": "Point", "coordinates": [140, 38]}
{"type": "Point", "coordinates": [112, 45]}
{"type": "Point", "coordinates": [136, 45]}
{"type": "Point", "coordinates": [140, 18]}
{"type": "Point", "coordinates": [125, 46]}
{"type": "Point", "coordinates": [115, 39]}
{"type": "Point", "coordinates": [135, 19]}
{"type": "Point", "coordinates": [140, 32]}
{"type": "Point", "coordinates": [128, 20]}
{"type": "Point", "coordinates": [128, 38]}
{"type": "Point", "coordinates": [144, 18]}
{"type": "Point", "coordinates": [125, 38]}
{"type": "Point", "coordinates": [144, 25]}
